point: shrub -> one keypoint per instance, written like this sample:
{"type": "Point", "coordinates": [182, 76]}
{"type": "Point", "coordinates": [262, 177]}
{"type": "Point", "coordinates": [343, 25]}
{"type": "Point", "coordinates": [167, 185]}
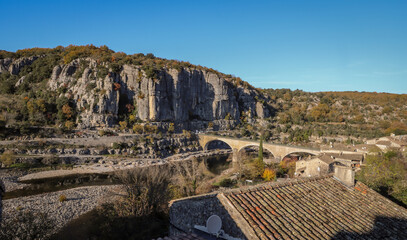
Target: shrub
{"type": "Point", "coordinates": [226, 182]}
{"type": "Point", "coordinates": [151, 129]}
{"type": "Point", "coordinates": [62, 198]}
{"type": "Point", "coordinates": [69, 125]}
{"type": "Point", "coordinates": [7, 158]}
{"type": "Point", "coordinates": [90, 86]}
{"type": "Point", "coordinates": [146, 191]}
{"type": "Point", "coordinates": [186, 133]}
{"type": "Point", "coordinates": [190, 177]}
{"type": "Point", "coordinates": [102, 71]}
{"type": "Point", "coordinates": [269, 174]}
{"type": "Point", "coordinates": [123, 125]}
{"type": "Point", "coordinates": [137, 128]}
{"type": "Point", "coordinates": [171, 128]}
{"type": "Point", "coordinates": [117, 145]}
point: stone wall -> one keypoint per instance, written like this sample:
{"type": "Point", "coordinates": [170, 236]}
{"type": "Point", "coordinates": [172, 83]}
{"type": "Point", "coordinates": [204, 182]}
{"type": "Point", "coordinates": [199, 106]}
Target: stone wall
{"type": "Point", "coordinates": [345, 174]}
{"type": "Point", "coordinates": [187, 212]}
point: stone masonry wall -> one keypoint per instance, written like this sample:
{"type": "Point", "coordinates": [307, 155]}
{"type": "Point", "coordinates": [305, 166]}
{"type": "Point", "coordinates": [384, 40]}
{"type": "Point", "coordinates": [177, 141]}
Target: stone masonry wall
{"type": "Point", "coordinates": [187, 212]}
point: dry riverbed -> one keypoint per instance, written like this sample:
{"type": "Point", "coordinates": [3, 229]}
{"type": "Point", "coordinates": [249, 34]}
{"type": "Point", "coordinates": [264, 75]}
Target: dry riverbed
{"type": "Point", "coordinates": [79, 201]}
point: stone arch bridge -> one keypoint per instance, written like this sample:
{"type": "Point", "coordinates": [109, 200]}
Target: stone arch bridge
{"type": "Point", "coordinates": [279, 151]}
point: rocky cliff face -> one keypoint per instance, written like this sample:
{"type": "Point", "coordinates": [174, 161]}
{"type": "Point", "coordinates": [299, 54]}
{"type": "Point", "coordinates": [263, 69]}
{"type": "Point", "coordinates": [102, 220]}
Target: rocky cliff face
{"type": "Point", "coordinates": [190, 94]}
{"type": "Point", "coordinates": [14, 66]}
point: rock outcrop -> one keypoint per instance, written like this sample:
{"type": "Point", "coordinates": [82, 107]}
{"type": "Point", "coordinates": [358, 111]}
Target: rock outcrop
{"type": "Point", "coordinates": [172, 96]}
{"type": "Point", "coordinates": [15, 66]}
{"type": "Point", "coordinates": [189, 96]}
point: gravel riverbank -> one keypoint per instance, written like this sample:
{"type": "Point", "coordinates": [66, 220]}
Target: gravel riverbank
{"type": "Point", "coordinates": [10, 179]}
{"type": "Point", "coordinates": [79, 201]}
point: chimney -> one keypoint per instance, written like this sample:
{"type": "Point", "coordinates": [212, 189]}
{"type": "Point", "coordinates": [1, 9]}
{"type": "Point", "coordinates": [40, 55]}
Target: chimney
{"type": "Point", "coordinates": [345, 174]}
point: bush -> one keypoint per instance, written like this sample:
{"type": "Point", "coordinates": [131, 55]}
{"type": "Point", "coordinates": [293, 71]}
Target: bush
{"type": "Point", "coordinates": [226, 182]}
{"type": "Point", "coordinates": [171, 128]}
{"type": "Point", "coordinates": [123, 125]}
{"type": "Point", "coordinates": [269, 174]}
{"type": "Point", "coordinates": [7, 158]}
{"type": "Point", "coordinates": [102, 71]}
{"type": "Point", "coordinates": [62, 198]}
{"type": "Point", "coordinates": [146, 191]}
{"type": "Point", "coordinates": [150, 129]}
{"type": "Point", "coordinates": [190, 177]}
{"type": "Point", "coordinates": [186, 133]}
{"type": "Point", "coordinates": [90, 86]}
{"type": "Point", "coordinates": [137, 128]}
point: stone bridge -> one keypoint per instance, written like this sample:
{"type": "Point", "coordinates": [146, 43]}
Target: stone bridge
{"type": "Point", "coordinates": [279, 151]}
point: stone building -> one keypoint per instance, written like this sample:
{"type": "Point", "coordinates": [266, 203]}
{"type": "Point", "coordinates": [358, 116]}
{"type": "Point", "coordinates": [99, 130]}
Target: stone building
{"type": "Point", "coordinates": [317, 166]}
{"type": "Point", "coordinates": [304, 208]}
{"type": "Point", "coordinates": [393, 141]}
{"type": "Point", "coordinates": [325, 163]}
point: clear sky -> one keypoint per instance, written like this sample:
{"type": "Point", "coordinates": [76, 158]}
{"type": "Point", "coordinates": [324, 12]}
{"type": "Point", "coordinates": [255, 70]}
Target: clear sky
{"type": "Point", "coordinates": [343, 45]}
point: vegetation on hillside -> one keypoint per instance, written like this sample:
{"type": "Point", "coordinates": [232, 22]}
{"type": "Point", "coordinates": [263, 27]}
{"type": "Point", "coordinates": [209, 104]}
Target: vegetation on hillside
{"type": "Point", "coordinates": [301, 115]}
{"type": "Point", "coordinates": [39, 107]}
{"type": "Point", "coordinates": [387, 174]}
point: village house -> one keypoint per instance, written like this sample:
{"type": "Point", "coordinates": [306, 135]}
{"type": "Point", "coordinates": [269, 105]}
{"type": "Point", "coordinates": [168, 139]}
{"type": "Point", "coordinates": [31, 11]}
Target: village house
{"type": "Point", "coordinates": [317, 166]}
{"type": "Point", "coordinates": [304, 208]}
{"type": "Point", "coordinates": [388, 142]}
{"type": "Point", "coordinates": [325, 163]}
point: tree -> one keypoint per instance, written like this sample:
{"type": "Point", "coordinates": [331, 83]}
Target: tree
{"type": "Point", "coordinates": [387, 174]}
{"type": "Point", "coordinates": [261, 149]}
{"type": "Point", "coordinates": [259, 161]}
{"type": "Point", "coordinates": [269, 174]}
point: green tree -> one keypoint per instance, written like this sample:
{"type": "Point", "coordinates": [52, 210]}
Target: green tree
{"type": "Point", "coordinates": [259, 163]}
{"type": "Point", "coordinates": [387, 174]}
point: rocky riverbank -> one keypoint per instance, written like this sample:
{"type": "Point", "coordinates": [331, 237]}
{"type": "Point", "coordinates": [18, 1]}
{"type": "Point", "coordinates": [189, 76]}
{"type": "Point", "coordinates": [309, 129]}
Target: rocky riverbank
{"type": "Point", "coordinates": [111, 164]}
{"type": "Point", "coordinates": [79, 201]}
{"type": "Point", "coordinates": [10, 179]}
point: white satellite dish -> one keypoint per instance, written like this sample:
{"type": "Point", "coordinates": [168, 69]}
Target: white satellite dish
{"type": "Point", "coordinates": [214, 224]}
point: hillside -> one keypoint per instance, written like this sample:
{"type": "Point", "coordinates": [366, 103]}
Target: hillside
{"type": "Point", "coordinates": [356, 114]}
{"type": "Point", "coordinates": [87, 86]}
{"type": "Point", "coordinates": [82, 87]}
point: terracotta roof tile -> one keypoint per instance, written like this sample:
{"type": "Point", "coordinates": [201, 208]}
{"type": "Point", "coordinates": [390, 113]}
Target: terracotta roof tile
{"type": "Point", "coordinates": [318, 208]}
{"type": "Point", "coordinates": [183, 236]}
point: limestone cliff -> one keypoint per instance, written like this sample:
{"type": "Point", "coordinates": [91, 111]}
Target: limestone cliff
{"type": "Point", "coordinates": [102, 94]}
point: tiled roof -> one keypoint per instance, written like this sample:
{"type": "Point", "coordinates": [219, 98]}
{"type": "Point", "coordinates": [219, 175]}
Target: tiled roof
{"type": "Point", "coordinates": [183, 236]}
{"type": "Point", "coordinates": [347, 156]}
{"type": "Point", "coordinates": [318, 208]}
{"type": "Point", "coordinates": [325, 158]}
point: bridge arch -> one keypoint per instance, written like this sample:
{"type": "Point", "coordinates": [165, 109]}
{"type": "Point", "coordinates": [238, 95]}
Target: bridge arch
{"type": "Point", "coordinates": [256, 145]}
{"type": "Point", "coordinates": [208, 144]}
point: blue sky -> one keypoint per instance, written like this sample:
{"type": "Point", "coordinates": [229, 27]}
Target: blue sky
{"type": "Point", "coordinates": [343, 45]}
